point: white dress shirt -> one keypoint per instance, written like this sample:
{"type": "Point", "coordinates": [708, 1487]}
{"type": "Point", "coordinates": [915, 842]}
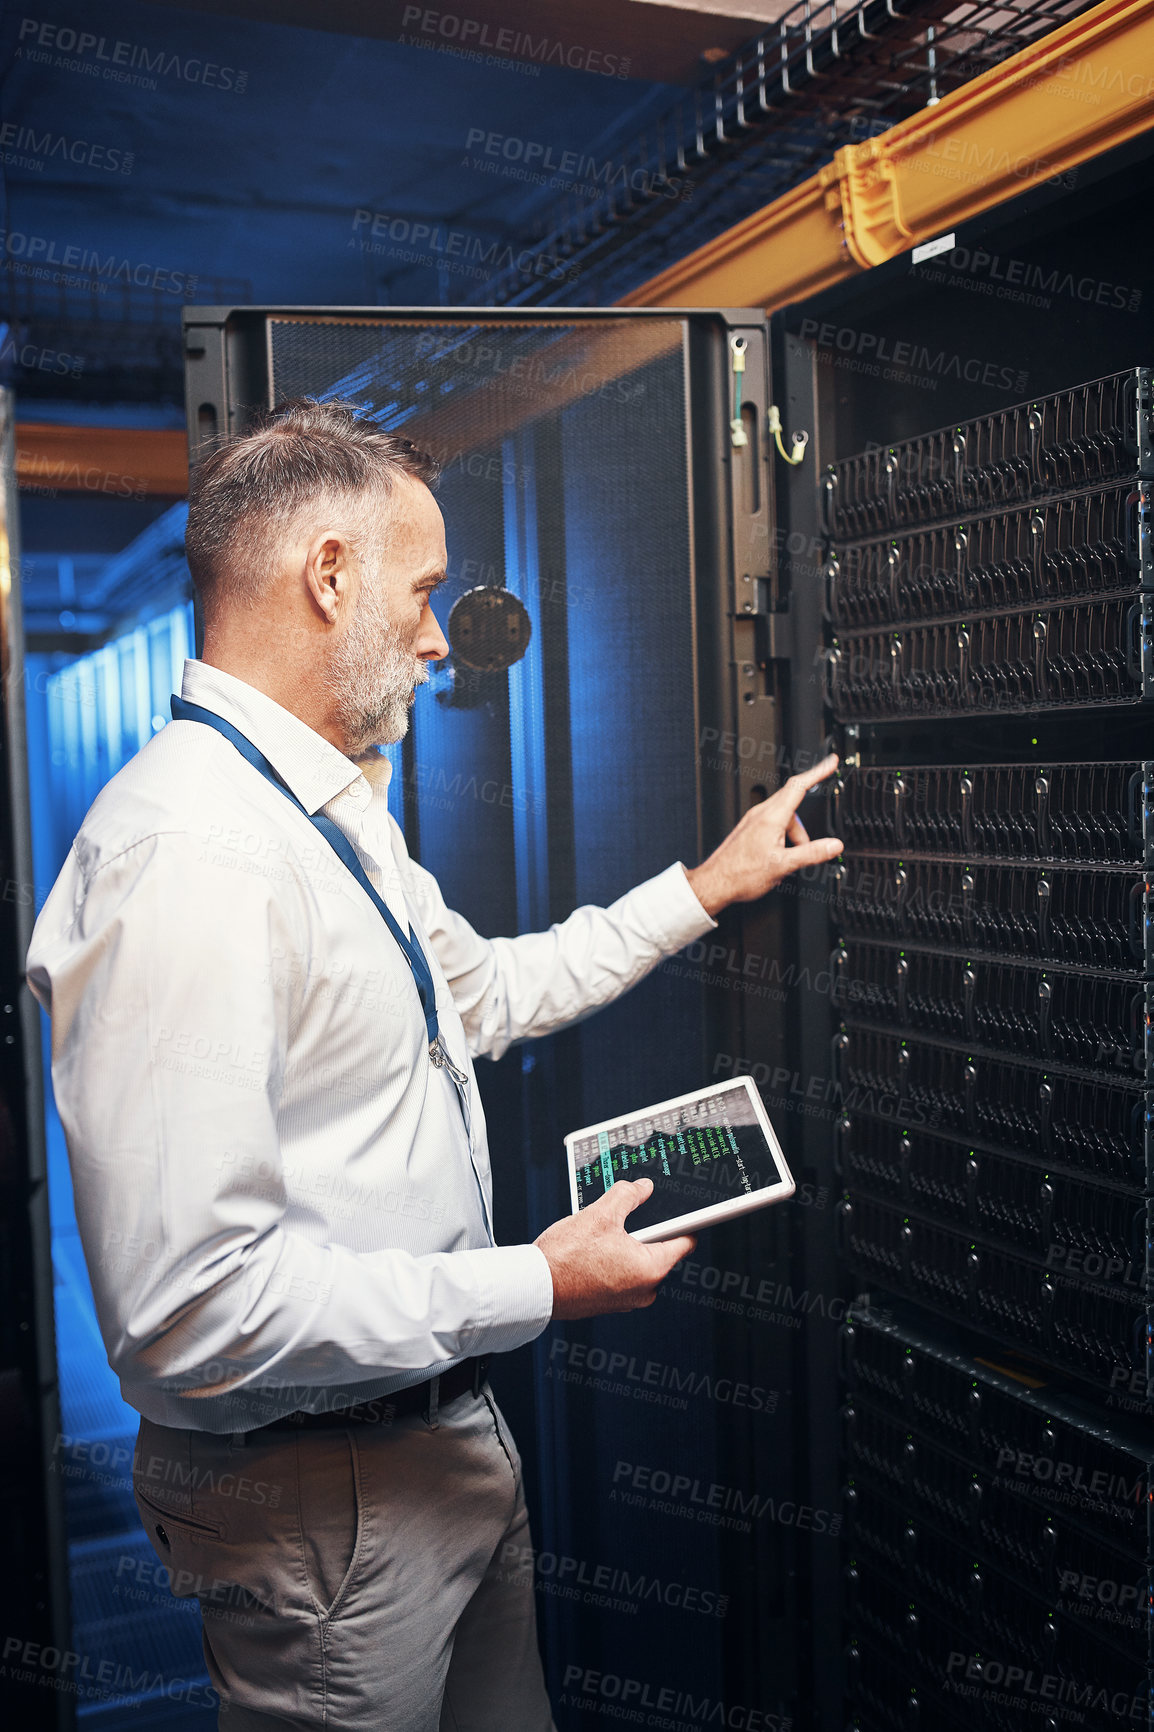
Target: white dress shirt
{"type": "Point", "coordinates": [280, 1203]}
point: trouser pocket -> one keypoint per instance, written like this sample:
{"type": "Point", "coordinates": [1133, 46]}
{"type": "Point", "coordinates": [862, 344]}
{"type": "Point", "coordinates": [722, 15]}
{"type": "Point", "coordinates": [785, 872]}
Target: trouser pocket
{"type": "Point", "coordinates": [186, 1548]}
{"type": "Point", "coordinates": [328, 1498]}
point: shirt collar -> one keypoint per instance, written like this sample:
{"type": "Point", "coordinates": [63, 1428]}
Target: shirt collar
{"type": "Point", "coordinates": [311, 766]}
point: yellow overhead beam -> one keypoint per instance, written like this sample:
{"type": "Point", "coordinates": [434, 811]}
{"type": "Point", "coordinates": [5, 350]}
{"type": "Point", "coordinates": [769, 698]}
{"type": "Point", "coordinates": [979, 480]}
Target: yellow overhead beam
{"type": "Point", "coordinates": [1076, 92]}
{"type": "Point", "coordinates": [126, 462]}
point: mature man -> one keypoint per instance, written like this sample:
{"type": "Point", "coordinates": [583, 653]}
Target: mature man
{"type": "Point", "coordinates": [264, 1018]}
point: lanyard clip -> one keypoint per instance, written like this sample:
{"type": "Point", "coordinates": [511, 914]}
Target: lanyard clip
{"type": "Point", "coordinates": [439, 1057]}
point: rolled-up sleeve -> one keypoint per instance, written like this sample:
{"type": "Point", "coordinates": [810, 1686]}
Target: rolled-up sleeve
{"type": "Point", "coordinates": [510, 989]}
{"type": "Point", "coordinates": [170, 1035]}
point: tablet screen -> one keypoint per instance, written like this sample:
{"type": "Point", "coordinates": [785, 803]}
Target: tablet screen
{"type": "Point", "coordinates": [709, 1148]}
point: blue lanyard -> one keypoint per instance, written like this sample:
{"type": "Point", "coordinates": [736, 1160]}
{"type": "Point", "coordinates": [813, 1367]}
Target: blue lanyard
{"type": "Point", "coordinates": [183, 711]}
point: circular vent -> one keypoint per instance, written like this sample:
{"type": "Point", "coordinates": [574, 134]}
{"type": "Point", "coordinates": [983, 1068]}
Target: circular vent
{"type": "Point", "coordinates": [489, 629]}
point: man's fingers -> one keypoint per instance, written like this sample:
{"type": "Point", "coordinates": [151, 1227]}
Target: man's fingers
{"type": "Point", "coordinates": [627, 1195]}
{"type": "Point", "coordinates": [811, 854]}
{"type": "Point", "coordinates": [807, 779]}
{"type": "Point", "coordinates": [671, 1251]}
{"type": "Point", "coordinates": [797, 831]}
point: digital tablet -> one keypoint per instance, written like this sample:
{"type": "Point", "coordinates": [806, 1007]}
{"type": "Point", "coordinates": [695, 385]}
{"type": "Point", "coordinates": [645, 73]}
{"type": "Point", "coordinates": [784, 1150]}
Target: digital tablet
{"type": "Point", "coordinates": [711, 1155]}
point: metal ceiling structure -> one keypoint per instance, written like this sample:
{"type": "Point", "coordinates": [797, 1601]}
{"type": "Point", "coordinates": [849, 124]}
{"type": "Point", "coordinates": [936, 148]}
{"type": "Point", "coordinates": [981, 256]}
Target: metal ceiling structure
{"type": "Point", "coordinates": [765, 120]}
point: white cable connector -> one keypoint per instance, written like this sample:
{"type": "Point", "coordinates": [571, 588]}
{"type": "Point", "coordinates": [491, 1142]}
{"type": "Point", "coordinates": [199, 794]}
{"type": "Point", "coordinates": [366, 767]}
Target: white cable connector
{"type": "Point", "coordinates": [737, 434]}
{"type": "Point", "coordinates": [799, 441]}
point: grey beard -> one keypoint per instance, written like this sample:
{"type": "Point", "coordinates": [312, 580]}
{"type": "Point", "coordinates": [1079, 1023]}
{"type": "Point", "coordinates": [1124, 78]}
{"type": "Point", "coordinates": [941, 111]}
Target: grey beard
{"type": "Point", "coordinates": [373, 677]}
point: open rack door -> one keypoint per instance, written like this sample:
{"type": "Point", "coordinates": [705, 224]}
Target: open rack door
{"type": "Point", "coordinates": [590, 470]}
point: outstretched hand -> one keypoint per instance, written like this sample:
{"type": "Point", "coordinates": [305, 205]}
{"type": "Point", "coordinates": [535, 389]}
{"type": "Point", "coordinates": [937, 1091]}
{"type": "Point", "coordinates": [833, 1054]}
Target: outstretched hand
{"type": "Point", "coordinates": [767, 845]}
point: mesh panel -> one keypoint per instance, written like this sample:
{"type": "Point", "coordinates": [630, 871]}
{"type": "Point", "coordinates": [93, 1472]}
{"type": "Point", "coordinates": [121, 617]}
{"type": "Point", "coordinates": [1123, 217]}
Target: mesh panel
{"type": "Point", "coordinates": [567, 778]}
{"type": "Point", "coordinates": [564, 477]}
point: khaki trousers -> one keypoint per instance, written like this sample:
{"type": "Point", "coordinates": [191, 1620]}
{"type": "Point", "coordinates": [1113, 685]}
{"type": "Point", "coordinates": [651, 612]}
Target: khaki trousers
{"type": "Point", "coordinates": [374, 1577]}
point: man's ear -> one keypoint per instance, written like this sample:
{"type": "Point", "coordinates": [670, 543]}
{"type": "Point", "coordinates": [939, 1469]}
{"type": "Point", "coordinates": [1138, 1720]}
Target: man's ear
{"type": "Point", "coordinates": [328, 571]}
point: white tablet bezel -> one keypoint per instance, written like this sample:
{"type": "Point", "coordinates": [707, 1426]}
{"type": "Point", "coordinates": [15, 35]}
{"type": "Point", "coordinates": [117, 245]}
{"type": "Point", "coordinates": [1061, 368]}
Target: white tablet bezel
{"type": "Point", "coordinates": [712, 1212]}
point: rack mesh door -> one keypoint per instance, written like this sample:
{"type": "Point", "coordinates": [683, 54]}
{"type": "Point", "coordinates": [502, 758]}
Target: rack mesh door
{"type": "Point", "coordinates": [569, 778]}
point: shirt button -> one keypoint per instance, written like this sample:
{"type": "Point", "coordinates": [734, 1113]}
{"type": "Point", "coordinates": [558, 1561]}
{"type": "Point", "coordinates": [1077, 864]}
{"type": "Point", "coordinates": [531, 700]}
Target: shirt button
{"type": "Point", "coordinates": [161, 1534]}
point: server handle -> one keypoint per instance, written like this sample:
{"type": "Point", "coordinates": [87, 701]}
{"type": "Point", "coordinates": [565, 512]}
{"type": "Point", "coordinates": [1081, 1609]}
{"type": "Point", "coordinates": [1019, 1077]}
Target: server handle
{"type": "Point", "coordinates": [1138, 1031]}
{"type": "Point", "coordinates": [830, 575]}
{"type": "Point", "coordinates": [1135, 829]}
{"type": "Point", "coordinates": [829, 665]}
{"type": "Point", "coordinates": [1130, 415]}
{"type": "Point", "coordinates": [1136, 919]}
{"type": "Point", "coordinates": [1134, 642]}
{"type": "Point", "coordinates": [1132, 534]}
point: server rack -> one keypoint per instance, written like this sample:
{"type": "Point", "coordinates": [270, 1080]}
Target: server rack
{"type": "Point", "coordinates": [990, 975]}
{"type": "Point", "coordinates": [971, 569]}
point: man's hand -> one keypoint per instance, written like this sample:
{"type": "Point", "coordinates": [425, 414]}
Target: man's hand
{"type": "Point", "coordinates": [767, 845]}
{"type": "Point", "coordinates": [595, 1265]}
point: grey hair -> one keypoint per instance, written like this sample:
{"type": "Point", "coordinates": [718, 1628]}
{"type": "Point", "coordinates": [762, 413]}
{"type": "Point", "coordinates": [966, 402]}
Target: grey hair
{"type": "Point", "coordinates": [244, 497]}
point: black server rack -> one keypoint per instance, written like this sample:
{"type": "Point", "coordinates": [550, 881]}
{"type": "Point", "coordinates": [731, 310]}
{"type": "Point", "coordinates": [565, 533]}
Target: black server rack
{"type": "Point", "coordinates": [969, 571]}
{"type": "Point", "coordinates": [998, 1543]}
{"type": "Point", "coordinates": [990, 974]}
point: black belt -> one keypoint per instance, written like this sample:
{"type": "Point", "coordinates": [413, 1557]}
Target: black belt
{"type": "Point", "coordinates": [423, 1398]}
